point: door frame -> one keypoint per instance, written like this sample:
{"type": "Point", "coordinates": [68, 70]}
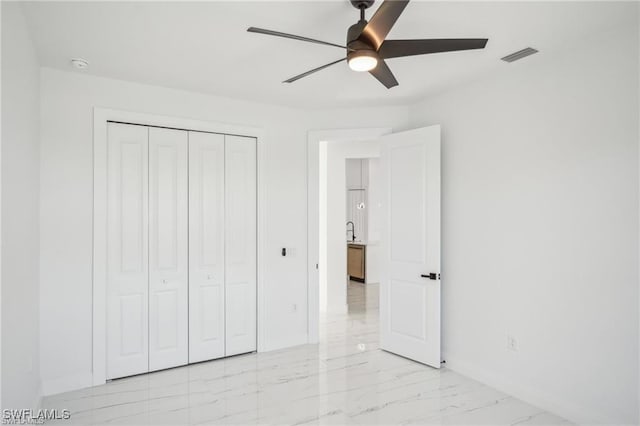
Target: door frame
{"type": "Point", "coordinates": [314, 137]}
{"type": "Point", "coordinates": [99, 261]}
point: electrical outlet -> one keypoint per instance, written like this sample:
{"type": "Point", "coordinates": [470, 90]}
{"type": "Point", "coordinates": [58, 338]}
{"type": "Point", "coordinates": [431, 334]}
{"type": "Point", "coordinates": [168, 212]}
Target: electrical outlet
{"type": "Point", "coordinates": [512, 343]}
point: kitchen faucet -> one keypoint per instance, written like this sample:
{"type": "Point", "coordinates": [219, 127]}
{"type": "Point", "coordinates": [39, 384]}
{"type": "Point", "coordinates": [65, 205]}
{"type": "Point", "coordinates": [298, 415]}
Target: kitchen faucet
{"type": "Point", "coordinates": [353, 231]}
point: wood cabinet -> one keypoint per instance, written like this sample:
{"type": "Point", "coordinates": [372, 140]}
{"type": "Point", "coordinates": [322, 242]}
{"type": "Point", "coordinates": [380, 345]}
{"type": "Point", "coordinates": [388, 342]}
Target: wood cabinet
{"type": "Point", "coordinates": [356, 257]}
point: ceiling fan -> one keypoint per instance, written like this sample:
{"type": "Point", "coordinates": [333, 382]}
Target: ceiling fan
{"type": "Point", "coordinates": [367, 47]}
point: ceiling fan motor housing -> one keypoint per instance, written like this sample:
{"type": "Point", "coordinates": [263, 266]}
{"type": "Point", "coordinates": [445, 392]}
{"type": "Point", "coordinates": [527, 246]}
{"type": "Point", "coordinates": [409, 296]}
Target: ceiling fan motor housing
{"type": "Point", "coordinates": [353, 36]}
{"type": "Point", "coordinates": [362, 4]}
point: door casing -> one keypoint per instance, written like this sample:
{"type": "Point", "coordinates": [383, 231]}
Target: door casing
{"type": "Point", "coordinates": [313, 205]}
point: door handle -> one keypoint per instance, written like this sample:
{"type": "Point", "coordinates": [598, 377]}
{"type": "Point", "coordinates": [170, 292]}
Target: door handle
{"type": "Point", "coordinates": [431, 276]}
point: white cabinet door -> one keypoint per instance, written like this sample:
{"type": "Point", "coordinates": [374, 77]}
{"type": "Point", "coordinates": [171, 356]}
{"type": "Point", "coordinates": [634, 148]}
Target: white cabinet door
{"type": "Point", "coordinates": [206, 246]}
{"type": "Point", "coordinates": [409, 296]}
{"type": "Point", "coordinates": [127, 250]}
{"type": "Point", "coordinates": [168, 264]}
{"type": "Point", "coordinates": [240, 244]}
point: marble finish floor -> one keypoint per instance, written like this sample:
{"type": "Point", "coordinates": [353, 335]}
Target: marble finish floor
{"type": "Point", "coordinates": [345, 380]}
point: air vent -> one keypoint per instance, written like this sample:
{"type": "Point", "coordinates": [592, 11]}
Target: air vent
{"type": "Point", "coordinates": [520, 54]}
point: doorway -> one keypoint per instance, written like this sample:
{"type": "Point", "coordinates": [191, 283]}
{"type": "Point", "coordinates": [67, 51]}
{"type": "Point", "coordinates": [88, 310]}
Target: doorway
{"type": "Point", "coordinates": [315, 138]}
{"type": "Point", "coordinates": [348, 284]}
{"type": "Point", "coordinates": [337, 193]}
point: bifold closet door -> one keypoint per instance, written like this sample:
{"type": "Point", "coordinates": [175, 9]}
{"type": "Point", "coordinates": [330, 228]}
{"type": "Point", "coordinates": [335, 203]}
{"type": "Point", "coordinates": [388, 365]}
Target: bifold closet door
{"type": "Point", "coordinates": [168, 249]}
{"type": "Point", "coordinates": [127, 250]}
{"type": "Point", "coordinates": [206, 247]}
{"type": "Point", "coordinates": [240, 244]}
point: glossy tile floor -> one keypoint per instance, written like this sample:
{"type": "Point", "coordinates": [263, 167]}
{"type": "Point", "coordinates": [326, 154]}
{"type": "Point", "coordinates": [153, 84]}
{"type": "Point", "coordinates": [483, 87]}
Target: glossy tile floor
{"type": "Point", "coordinates": [345, 380]}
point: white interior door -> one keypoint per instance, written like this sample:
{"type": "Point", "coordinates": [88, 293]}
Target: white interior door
{"type": "Point", "coordinates": [168, 264]}
{"type": "Point", "coordinates": [410, 276]}
{"type": "Point", "coordinates": [206, 246]}
{"type": "Point", "coordinates": [127, 250]}
{"type": "Point", "coordinates": [240, 244]}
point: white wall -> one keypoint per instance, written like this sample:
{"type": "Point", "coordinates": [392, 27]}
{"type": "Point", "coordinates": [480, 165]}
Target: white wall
{"type": "Point", "coordinates": [333, 274]}
{"type": "Point", "coordinates": [540, 228]}
{"type": "Point", "coordinates": [374, 216]}
{"type": "Point", "coordinates": [66, 220]}
{"type": "Point", "coordinates": [20, 191]}
{"type": "Point", "coordinates": [374, 205]}
{"type": "Point", "coordinates": [356, 189]}
{"type": "Point", "coordinates": [0, 213]}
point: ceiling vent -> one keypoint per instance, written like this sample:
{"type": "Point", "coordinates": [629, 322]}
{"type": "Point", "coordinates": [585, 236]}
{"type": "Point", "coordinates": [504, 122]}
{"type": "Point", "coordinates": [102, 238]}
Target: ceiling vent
{"type": "Point", "coordinates": [520, 54]}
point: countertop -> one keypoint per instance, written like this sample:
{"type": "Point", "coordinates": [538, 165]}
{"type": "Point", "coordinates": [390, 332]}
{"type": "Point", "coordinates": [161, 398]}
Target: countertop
{"type": "Point", "coordinates": [363, 243]}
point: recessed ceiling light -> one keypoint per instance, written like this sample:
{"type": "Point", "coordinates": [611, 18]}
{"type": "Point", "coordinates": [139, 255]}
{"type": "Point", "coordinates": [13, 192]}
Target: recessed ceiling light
{"type": "Point", "coordinates": [79, 63]}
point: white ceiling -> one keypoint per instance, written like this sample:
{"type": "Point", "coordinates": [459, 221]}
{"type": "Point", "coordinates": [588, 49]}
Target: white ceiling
{"type": "Point", "coordinates": [204, 46]}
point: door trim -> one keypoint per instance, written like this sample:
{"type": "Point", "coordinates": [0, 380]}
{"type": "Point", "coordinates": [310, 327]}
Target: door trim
{"type": "Point", "coordinates": [314, 138]}
{"type": "Point", "coordinates": [99, 261]}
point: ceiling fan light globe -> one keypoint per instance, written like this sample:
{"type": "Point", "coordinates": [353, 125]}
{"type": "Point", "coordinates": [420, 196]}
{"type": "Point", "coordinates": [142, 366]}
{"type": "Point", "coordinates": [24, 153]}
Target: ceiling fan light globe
{"type": "Point", "coordinates": [362, 61]}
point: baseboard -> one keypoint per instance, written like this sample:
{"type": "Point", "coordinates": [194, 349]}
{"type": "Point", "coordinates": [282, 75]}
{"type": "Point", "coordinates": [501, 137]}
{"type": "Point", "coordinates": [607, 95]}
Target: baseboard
{"type": "Point", "coordinates": [79, 381]}
{"type": "Point", "coordinates": [286, 342]}
{"type": "Point", "coordinates": [67, 383]}
{"type": "Point", "coordinates": [37, 400]}
{"type": "Point", "coordinates": [552, 404]}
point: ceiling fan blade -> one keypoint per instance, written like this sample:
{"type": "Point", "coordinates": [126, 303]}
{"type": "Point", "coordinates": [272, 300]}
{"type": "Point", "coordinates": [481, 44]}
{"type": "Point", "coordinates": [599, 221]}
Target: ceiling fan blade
{"type": "Point", "coordinates": [292, 36]}
{"type": "Point", "coordinates": [382, 21]}
{"type": "Point", "coordinates": [399, 48]}
{"type": "Point", "coordinates": [384, 75]}
{"type": "Point", "coordinates": [304, 74]}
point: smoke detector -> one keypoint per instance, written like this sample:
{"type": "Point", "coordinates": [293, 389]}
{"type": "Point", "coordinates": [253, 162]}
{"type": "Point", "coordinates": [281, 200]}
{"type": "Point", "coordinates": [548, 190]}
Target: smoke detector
{"type": "Point", "coordinates": [79, 63]}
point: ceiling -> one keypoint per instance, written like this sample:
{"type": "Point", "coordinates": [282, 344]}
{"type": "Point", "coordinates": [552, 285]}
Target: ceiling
{"type": "Point", "coordinates": [204, 46]}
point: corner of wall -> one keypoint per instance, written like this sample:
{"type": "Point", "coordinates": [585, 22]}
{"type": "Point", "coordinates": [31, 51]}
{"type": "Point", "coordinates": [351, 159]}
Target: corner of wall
{"type": "Point", "coordinates": [561, 406]}
{"type": "Point", "coordinates": [66, 384]}
{"type": "Point", "coordinates": [21, 378]}
{"type": "Point", "coordinates": [638, 20]}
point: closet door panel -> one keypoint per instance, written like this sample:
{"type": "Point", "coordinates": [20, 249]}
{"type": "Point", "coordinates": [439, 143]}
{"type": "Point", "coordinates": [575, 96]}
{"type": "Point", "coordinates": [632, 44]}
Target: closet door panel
{"type": "Point", "coordinates": [127, 250]}
{"type": "Point", "coordinates": [206, 246]}
{"type": "Point", "coordinates": [240, 244]}
{"type": "Point", "coordinates": [168, 248]}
